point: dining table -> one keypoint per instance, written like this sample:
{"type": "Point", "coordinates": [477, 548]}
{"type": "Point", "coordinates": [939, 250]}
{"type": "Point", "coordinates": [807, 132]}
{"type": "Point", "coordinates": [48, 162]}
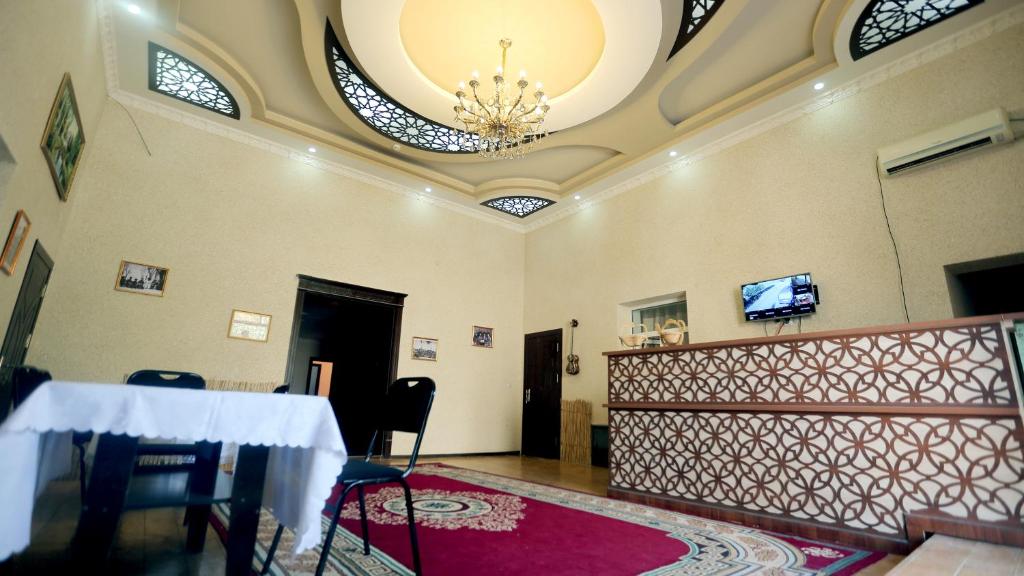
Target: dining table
{"type": "Point", "coordinates": [290, 452]}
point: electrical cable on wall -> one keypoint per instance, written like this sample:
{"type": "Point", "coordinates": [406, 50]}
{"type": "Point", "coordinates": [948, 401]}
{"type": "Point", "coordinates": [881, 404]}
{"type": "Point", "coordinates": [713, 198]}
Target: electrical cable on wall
{"type": "Point", "coordinates": [139, 132]}
{"type": "Point", "coordinates": [888, 225]}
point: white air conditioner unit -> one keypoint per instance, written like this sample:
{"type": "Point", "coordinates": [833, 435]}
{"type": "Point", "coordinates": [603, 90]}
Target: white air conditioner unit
{"type": "Point", "coordinates": [981, 131]}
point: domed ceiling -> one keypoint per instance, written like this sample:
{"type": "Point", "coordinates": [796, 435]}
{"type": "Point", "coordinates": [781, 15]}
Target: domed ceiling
{"type": "Point", "coordinates": [368, 87]}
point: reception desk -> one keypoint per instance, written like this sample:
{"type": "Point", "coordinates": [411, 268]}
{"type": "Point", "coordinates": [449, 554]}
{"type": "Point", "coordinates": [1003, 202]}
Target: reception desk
{"type": "Point", "coordinates": [868, 437]}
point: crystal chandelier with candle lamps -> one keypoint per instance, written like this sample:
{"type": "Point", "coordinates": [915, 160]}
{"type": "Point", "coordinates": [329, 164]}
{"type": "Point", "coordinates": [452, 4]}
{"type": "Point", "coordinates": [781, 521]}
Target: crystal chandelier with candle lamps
{"type": "Point", "coordinates": [506, 125]}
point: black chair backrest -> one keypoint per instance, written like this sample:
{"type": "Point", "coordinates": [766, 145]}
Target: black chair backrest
{"type": "Point", "coordinates": [167, 379]}
{"type": "Point", "coordinates": [25, 380]}
{"type": "Point", "coordinates": [282, 389]}
{"type": "Point", "coordinates": [405, 408]}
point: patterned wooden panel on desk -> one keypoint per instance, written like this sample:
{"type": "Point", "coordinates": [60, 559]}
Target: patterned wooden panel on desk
{"type": "Point", "coordinates": [860, 472]}
{"type": "Point", "coordinates": [964, 365]}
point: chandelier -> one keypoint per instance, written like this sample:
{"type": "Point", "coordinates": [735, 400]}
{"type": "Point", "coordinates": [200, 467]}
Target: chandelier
{"type": "Point", "coordinates": [505, 125]}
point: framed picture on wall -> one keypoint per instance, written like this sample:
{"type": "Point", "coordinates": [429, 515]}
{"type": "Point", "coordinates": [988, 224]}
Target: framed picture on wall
{"type": "Point", "coordinates": [64, 138]}
{"type": "Point", "coordinates": [424, 348]}
{"type": "Point", "coordinates": [249, 326]}
{"type": "Point", "coordinates": [483, 337]}
{"type": "Point", "coordinates": [15, 242]}
{"type": "Point", "coordinates": [141, 279]}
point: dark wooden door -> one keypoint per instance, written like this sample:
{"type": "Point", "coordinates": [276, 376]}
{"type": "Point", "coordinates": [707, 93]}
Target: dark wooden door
{"type": "Point", "coordinates": [23, 320]}
{"type": "Point", "coordinates": [542, 394]}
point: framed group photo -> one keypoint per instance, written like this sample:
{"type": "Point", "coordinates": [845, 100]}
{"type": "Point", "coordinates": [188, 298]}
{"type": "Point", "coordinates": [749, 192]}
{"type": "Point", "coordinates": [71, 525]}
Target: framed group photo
{"type": "Point", "coordinates": [483, 337]}
{"type": "Point", "coordinates": [141, 279]}
{"type": "Point", "coordinates": [424, 348]}
{"type": "Point", "coordinates": [64, 138]}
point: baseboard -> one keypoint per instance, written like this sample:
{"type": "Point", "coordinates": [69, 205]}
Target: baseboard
{"type": "Point", "coordinates": [769, 522]}
{"type": "Point", "coordinates": [460, 454]}
{"type": "Point", "coordinates": [922, 524]}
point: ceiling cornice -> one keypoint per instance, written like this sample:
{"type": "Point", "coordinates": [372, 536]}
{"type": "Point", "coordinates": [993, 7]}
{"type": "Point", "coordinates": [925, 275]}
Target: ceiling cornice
{"type": "Point", "coordinates": [967, 36]}
{"type": "Point", "coordinates": [943, 47]}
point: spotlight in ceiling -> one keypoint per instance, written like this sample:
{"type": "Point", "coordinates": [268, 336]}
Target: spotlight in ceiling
{"type": "Point", "coordinates": [819, 85]}
{"type": "Point", "coordinates": [673, 153]}
{"type": "Point", "coordinates": [134, 9]}
{"type": "Point", "coordinates": [312, 150]}
{"type": "Point", "coordinates": [428, 189]}
{"type": "Point", "coordinates": [577, 197]}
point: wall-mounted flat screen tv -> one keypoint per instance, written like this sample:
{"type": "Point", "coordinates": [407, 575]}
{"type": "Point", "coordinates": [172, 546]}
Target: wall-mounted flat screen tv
{"type": "Point", "coordinates": [778, 298]}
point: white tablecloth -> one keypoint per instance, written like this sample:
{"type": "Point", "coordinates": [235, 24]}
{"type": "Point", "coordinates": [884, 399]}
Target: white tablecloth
{"type": "Point", "coordinates": [305, 460]}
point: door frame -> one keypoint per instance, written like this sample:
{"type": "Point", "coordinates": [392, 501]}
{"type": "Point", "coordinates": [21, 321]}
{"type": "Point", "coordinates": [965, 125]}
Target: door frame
{"type": "Point", "coordinates": [350, 291]}
{"type": "Point", "coordinates": [37, 251]}
{"type": "Point", "coordinates": [558, 378]}
{"type": "Point", "coordinates": [342, 290]}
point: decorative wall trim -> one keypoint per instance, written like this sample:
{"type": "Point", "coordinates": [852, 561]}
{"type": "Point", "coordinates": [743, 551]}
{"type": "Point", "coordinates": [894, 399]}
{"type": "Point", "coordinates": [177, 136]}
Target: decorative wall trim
{"type": "Point", "coordinates": [242, 137]}
{"type": "Point", "coordinates": [966, 37]}
{"type": "Point", "coordinates": [108, 41]}
{"type": "Point", "coordinates": [980, 31]}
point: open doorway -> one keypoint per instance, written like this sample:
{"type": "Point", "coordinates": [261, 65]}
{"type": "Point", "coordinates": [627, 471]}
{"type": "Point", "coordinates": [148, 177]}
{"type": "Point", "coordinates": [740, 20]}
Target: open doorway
{"type": "Point", "coordinates": [345, 347]}
{"type": "Point", "coordinates": [989, 286]}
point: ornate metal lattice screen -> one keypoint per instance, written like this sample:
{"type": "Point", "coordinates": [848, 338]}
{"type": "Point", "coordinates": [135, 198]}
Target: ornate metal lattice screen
{"type": "Point", "coordinates": [696, 13]}
{"type": "Point", "coordinates": [385, 115]}
{"type": "Point", "coordinates": [521, 206]}
{"type": "Point", "coordinates": [884, 22]}
{"type": "Point", "coordinates": [851, 431]}
{"type": "Point", "coordinates": [178, 77]}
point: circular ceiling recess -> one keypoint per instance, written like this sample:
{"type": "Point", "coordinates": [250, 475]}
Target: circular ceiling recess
{"type": "Point", "coordinates": [590, 54]}
{"type": "Point", "coordinates": [557, 43]}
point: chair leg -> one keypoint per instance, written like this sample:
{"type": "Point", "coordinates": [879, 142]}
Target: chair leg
{"type": "Point", "coordinates": [412, 529]}
{"type": "Point", "coordinates": [81, 471]}
{"type": "Point", "coordinates": [273, 548]}
{"type": "Point", "coordinates": [363, 521]}
{"type": "Point", "coordinates": [326, 550]}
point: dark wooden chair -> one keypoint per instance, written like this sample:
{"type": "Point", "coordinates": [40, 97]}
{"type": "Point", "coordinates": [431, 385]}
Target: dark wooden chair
{"type": "Point", "coordinates": [129, 475]}
{"type": "Point", "coordinates": [405, 408]}
{"type": "Point", "coordinates": [25, 380]}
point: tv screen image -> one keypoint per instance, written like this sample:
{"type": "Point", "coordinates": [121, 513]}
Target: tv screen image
{"type": "Point", "coordinates": [778, 298]}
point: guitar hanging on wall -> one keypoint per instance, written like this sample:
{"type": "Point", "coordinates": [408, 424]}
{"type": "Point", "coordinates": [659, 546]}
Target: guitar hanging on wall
{"type": "Point", "coordinates": [574, 360]}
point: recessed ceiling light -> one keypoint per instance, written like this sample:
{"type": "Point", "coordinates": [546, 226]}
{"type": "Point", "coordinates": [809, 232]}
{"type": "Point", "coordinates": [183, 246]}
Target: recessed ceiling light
{"type": "Point", "coordinates": [577, 197]}
{"type": "Point", "coordinates": [672, 153]}
{"type": "Point", "coordinates": [428, 189]}
{"type": "Point", "coordinates": [819, 85]}
{"type": "Point", "coordinates": [134, 8]}
{"type": "Point", "coordinates": [312, 150]}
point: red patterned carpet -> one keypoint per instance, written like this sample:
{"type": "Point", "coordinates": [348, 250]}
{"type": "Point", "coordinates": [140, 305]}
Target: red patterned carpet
{"type": "Point", "coordinates": [476, 523]}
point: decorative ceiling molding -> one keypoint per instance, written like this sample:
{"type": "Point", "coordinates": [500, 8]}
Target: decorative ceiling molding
{"type": "Point", "coordinates": [171, 74]}
{"type": "Point", "coordinates": [383, 113]}
{"type": "Point", "coordinates": [696, 13]}
{"type": "Point", "coordinates": [518, 206]}
{"type": "Point", "coordinates": [980, 31]}
{"type": "Point", "coordinates": [975, 33]}
{"type": "Point", "coordinates": [885, 22]}
{"type": "Point", "coordinates": [632, 36]}
{"type": "Point", "coordinates": [242, 137]}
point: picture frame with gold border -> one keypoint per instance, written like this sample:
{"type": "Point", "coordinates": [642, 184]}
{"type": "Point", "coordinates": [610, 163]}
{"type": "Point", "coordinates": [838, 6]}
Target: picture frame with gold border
{"type": "Point", "coordinates": [251, 326]}
{"type": "Point", "coordinates": [63, 139]}
{"type": "Point", "coordinates": [15, 242]}
{"type": "Point", "coordinates": [139, 278]}
{"type": "Point", "coordinates": [424, 348]}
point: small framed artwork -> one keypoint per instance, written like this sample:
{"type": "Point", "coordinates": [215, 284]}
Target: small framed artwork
{"type": "Point", "coordinates": [249, 326]}
{"type": "Point", "coordinates": [141, 279]}
{"type": "Point", "coordinates": [483, 337]}
{"type": "Point", "coordinates": [424, 348]}
{"type": "Point", "coordinates": [64, 138]}
{"type": "Point", "coordinates": [15, 242]}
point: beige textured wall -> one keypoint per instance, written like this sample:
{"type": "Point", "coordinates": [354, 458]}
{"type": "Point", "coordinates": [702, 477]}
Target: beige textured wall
{"type": "Point", "coordinates": [802, 197]}
{"type": "Point", "coordinates": [235, 225]}
{"type": "Point", "coordinates": [36, 49]}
